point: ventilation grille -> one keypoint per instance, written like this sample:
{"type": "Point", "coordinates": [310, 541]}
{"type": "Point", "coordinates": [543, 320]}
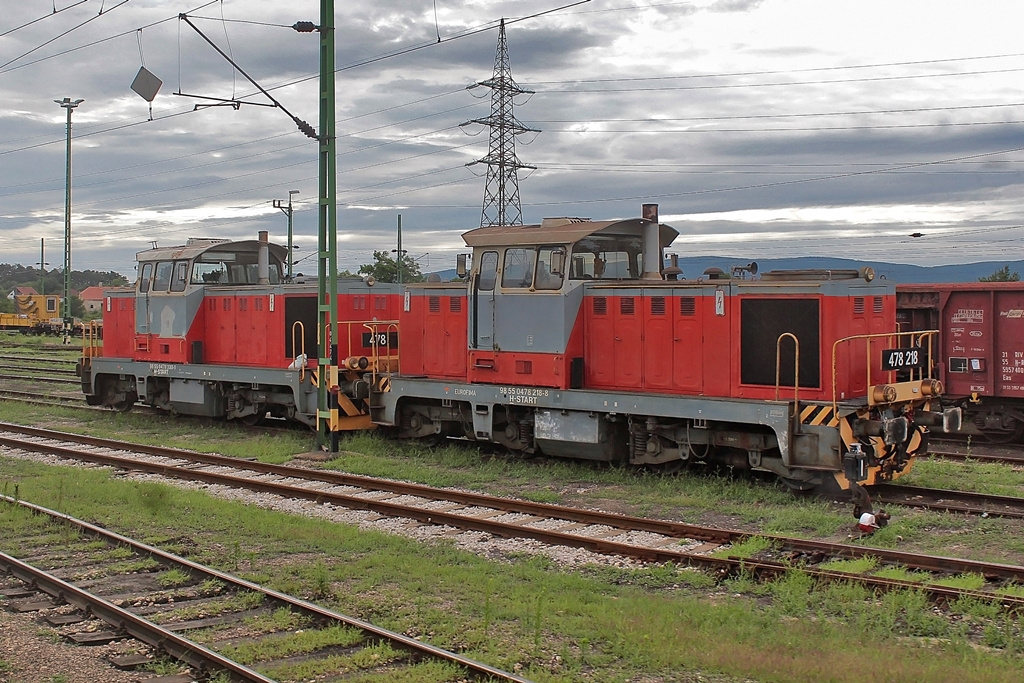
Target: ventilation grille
{"type": "Point", "coordinates": [688, 306]}
{"type": "Point", "coordinates": [434, 303]}
{"type": "Point", "coordinates": [627, 305]}
{"type": "Point", "coordinates": [858, 305]}
{"type": "Point", "coordinates": [600, 305]}
{"type": "Point", "coordinates": [658, 305]}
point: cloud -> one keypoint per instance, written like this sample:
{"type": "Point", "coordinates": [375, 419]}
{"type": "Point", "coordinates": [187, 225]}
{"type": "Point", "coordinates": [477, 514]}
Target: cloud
{"type": "Point", "coordinates": [754, 131]}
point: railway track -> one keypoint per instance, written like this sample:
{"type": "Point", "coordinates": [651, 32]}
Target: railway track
{"type": "Point", "coordinates": [964, 502]}
{"type": "Point", "coordinates": [963, 451]}
{"type": "Point", "coordinates": [42, 399]}
{"type": "Point", "coordinates": [596, 531]}
{"type": "Point", "coordinates": [46, 377]}
{"type": "Point", "coordinates": [143, 592]}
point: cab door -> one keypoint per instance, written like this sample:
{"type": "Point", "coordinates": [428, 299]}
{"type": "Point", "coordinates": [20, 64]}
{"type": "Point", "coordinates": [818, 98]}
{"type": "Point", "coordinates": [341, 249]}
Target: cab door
{"type": "Point", "coordinates": [142, 300]}
{"type": "Point", "coordinates": [482, 308]}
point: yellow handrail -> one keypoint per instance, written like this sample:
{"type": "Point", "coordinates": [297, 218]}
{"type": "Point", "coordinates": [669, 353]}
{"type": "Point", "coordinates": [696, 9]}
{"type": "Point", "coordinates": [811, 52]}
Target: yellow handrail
{"type": "Point", "coordinates": [896, 336]}
{"type": "Point", "coordinates": [302, 338]}
{"type": "Point", "coordinates": [796, 370]}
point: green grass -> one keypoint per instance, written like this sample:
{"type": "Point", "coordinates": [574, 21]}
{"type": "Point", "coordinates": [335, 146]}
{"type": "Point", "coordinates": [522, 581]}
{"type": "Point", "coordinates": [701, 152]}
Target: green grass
{"type": "Point", "coordinates": [551, 625]}
{"type": "Point", "coordinates": [598, 623]}
{"type": "Point", "coordinates": [173, 578]}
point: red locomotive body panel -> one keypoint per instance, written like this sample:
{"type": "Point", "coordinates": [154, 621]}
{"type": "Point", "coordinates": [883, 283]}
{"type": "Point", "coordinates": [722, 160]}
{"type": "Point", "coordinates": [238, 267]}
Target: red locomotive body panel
{"type": "Point", "coordinates": [679, 340]}
{"type": "Point", "coordinates": [220, 338]}
{"type": "Point", "coordinates": [118, 324]}
{"type": "Point", "coordinates": [434, 323]}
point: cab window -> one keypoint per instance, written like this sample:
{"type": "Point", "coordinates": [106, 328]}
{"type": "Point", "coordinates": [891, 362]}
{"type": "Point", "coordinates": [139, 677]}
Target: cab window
{"type": "Point", "coordinates": [162, 279]}
{"type": "Point", "coordinates": [180, 276]}
{"type": "Point", "coordinates": [547, 277]}
{"type": "Point", "coordinates": [488, 271]}
{"type": "Point", "coordinates": [518, 270]}
{"type": "Point", "coordinates": [147, 273]}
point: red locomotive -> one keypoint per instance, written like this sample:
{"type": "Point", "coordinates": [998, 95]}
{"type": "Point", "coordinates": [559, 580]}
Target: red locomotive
{"type": "Point", "coordinates": [568, 338]}
{"type": "Point", "coordinates": [979, 351]}
{"type": "Point", "coordinates": [213, 329]}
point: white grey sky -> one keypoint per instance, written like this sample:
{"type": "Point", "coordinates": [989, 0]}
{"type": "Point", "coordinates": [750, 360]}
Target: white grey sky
{"type": "Point", "coordinates": [763, 128]}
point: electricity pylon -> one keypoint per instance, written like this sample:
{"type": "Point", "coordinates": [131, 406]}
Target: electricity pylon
{"type": "Point", "coordinates": [501, 194]}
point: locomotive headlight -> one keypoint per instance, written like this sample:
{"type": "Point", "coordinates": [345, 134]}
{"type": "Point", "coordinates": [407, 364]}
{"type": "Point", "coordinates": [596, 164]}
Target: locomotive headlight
{"type": "Point", "coordinates": [883, 393]}
{"type": "Point", "coordinates": [357, 362]}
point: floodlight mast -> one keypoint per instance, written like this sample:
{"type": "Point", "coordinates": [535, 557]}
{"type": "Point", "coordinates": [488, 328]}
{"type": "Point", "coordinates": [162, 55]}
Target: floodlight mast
{"type": "Point", "coordinates": [70, 105]}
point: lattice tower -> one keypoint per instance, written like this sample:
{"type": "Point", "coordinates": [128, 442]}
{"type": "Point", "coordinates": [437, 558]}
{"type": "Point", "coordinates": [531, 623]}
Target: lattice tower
{"type": "Point", "coordinates": [501, 194]}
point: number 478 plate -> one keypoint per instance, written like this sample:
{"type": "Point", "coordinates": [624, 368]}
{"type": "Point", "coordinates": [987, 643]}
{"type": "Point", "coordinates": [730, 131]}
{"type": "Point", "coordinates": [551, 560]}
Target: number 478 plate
{"type": "Point", "coordinates": [898, 359]}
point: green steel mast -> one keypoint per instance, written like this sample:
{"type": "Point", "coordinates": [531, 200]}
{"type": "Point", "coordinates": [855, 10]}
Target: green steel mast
{"type": "Point", "coordinates": [327, 249]}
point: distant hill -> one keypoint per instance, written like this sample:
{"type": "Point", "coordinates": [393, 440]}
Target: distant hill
{"type": "Point", "coordinates": [899, 272]}
{"type": "Point", "coordinates": [902, 273]}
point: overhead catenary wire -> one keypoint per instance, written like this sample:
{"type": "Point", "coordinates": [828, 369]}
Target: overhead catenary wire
{"type": "Point", "coordinates": [61, 35]}
{"type": "Point", "coordinates": [54, 13]}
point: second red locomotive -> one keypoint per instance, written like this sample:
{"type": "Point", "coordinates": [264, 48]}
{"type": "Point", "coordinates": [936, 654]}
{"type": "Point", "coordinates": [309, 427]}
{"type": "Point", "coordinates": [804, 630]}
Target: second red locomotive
{"type": "Point", "coordinates": [567, 340]}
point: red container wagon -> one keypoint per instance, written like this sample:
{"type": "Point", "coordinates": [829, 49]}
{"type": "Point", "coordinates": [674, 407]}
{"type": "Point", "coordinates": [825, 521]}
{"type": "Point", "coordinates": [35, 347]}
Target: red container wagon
{"type": "Point", "coordinates": [979, 353]}
{"type": "Point", "coordinates": [568, 340]}
{"type": "Point", "coordinates": [212, 328]}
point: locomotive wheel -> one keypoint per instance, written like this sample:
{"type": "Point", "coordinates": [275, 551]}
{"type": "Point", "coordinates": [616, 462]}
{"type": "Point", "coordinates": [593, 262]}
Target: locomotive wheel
{"type": "Point", "coordinates": [255, 418]}
{"type": "Point", "coordinates": [123, 406]}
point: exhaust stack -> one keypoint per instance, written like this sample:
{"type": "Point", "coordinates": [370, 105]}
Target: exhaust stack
{"type": "Point", "coordinates": [263, 259]}
{"type": "Point", "coordinates": [652, 243]}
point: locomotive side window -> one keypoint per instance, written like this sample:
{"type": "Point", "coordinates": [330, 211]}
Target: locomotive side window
{"type": "Point", "coordinates": [611, 257]}
{"type": "Point", "coordinates": [209, 273]}
{"type": "Point", "coordinates": [162, 279]}
{"type": "Point", "coordinates": [488, 271]}
{"type": "Point", "coordinates": [518, 271]}
{"type": "Point", "coordinates": [180, 276]}
{"type": "Point", "coordinates": [147, 273]}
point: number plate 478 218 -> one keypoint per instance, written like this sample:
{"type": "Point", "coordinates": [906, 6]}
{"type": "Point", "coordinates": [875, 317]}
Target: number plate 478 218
{"type": "Point", "coordinates": [898, 359]}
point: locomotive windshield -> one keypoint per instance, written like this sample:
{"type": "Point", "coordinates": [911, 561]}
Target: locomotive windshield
{"type": "Point", "coordinates": [609, 257]}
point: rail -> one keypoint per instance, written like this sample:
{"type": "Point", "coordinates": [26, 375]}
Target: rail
{"type": "Point", "coordinates": [915, 339]}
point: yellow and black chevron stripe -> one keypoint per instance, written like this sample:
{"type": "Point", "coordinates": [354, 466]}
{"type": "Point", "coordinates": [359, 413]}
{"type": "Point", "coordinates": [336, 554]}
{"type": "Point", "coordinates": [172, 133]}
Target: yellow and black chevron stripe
{"type": "Point", "coordinates": [818, 415]}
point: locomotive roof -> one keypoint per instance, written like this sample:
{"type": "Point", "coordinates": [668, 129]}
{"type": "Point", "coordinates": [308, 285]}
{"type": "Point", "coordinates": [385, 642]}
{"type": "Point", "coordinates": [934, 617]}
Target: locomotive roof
{"type": "Point", "coordinates": [197, 247]}
{"type": "Point", "coordinates": [560, 231]}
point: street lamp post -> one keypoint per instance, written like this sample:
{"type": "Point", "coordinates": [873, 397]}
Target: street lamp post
{"type": "Point", "coordinates": [399, 253]}
{"type": "Point", "coordinates": [69, 104]}
{"type": "Point", "coordinates": [279, 204]}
